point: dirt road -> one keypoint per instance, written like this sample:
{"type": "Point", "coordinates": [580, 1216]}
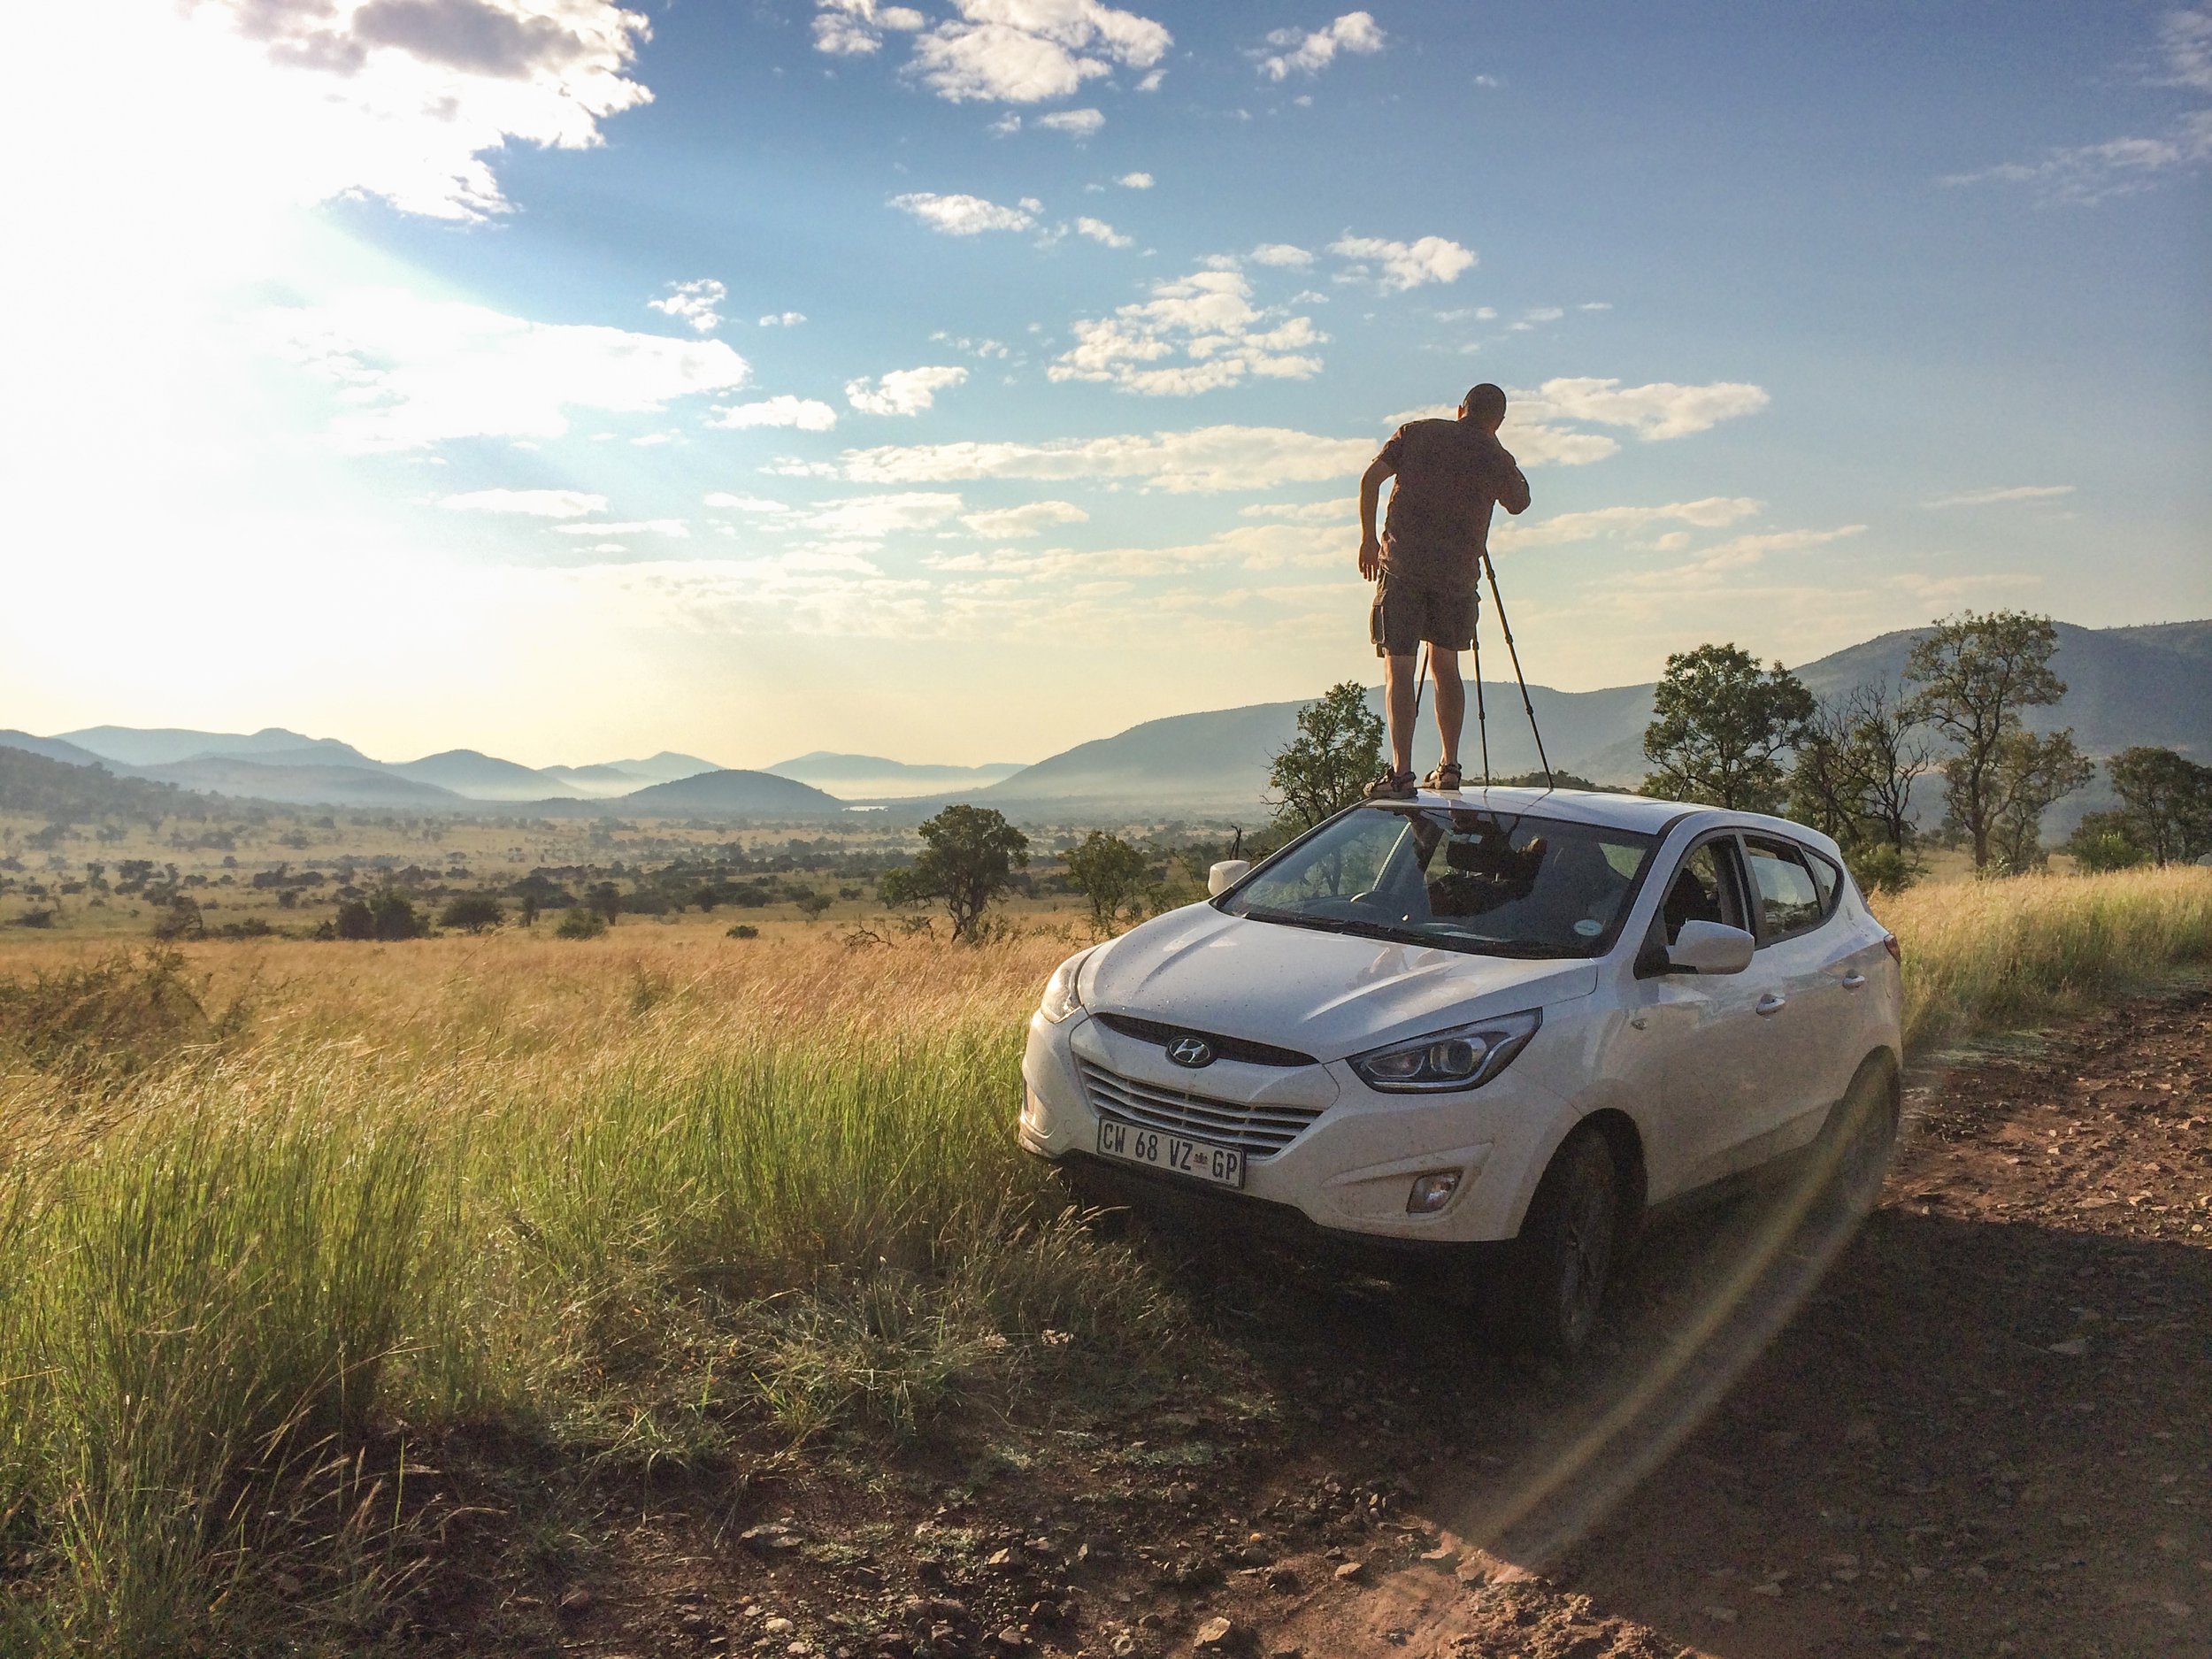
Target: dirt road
{"type": "Point", "coordinates": [1988, 1430]}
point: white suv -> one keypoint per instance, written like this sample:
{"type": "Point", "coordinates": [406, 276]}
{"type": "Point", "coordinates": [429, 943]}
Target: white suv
{"type": "Point", "coordinates": [1482, 1016]}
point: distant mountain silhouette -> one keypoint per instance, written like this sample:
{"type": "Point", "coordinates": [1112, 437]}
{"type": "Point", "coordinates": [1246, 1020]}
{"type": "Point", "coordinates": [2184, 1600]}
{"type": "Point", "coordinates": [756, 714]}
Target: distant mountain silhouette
{"type": "Point", "coordinates": [665, 767]}
{"type": "Point", "coordinates": [729, 793]}
{"type": "Point", "coordinates": [135, 746]}
{"type": "Point", "coordinates": [52, 749]}
{"type": "Point", "coordinates": [864, 777]}
{"type": "Point", "coordinates": [370, 786]}
{"type": "Point", "coordinates": [487, 778]}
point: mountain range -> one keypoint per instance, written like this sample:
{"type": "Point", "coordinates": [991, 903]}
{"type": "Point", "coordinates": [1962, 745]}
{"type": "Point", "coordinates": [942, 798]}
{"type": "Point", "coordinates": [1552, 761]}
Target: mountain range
{"type": "Point", "coordinates": [2125, 686]}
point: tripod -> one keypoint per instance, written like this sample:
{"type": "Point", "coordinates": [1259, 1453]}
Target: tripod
{"type": "Point", "coordinates": [1482, 722]}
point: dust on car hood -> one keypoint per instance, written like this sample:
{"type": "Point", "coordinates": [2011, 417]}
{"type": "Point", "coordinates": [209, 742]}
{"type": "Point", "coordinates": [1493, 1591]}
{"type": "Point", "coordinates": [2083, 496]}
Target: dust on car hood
{"type": "Point", "coordinates": [1329, 994]}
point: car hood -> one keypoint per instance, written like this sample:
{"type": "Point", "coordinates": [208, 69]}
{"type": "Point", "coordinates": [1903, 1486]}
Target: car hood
{"type": "Point", "coordinates": [1329, 994]}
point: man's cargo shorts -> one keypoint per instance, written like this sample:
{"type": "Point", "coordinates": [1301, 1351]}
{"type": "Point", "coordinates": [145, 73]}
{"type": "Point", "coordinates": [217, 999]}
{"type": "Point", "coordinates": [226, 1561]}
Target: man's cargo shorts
{"type": "Point", "coordinates": [1404, 615]}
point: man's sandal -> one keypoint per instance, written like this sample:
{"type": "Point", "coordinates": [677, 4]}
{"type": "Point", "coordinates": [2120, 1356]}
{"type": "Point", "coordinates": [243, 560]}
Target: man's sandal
{"type": "Point", "coordinates": [1445, 777]}
{"type": "Point", "coordinates": [1393, 786]}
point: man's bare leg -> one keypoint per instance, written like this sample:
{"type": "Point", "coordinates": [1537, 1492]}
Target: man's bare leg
{"type": "Point", "coordinates": [1401, 680]}
{"type": "Point", "coordinates": [1451, 701]}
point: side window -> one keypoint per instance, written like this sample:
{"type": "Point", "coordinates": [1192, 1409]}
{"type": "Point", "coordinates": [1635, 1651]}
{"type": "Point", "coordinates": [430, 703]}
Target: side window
{"type": "Point", "coordinates": [1704, 890]}
{"type": "Point", "coordinates": [1789, 902]}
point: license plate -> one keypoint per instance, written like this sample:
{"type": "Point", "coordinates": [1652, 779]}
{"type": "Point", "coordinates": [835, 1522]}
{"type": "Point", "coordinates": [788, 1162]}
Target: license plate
{"type": "Point", "coordinates": [1156, 1148]}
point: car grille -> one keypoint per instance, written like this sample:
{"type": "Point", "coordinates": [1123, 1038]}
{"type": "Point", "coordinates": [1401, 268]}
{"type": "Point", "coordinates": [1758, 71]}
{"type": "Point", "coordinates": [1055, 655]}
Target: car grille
{"type": "Point", "coordinates": [1225, 1047]}
{"type": "Point", "coordinates": [1259, 1129]}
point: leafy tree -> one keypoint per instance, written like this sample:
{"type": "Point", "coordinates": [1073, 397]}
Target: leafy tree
{"type": "Point", "coordinates": [812, 904]}
{"type": "Point", "coordinates": [2166, 801]}
{"type": "Point", "coordinates": [1108, 873]}
{"type": "Point", "coordinates": [473, 913]}
{"type": "Point", "coordinates": [2031, 772]}
{"type": "Point", "coordinates": [527, 906]}
{"type": "Point", "coordinates": [968, 858]}
{"type": "Point", "coordinates": [1975, 675]}
{"type": "Point", "coordinates": [1333, 758]}
{"type": "Point", "coordinates": [707, 896]}
{"type": "Point", "coordinates": [603, 900]}
{"type": "Point", "coordinates": [1721, 726]}
{"type": "Point", "coordinates": [1856, 763]}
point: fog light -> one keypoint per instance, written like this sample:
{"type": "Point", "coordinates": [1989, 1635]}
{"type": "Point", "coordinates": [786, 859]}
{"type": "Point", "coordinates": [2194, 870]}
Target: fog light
{"type": "Point", "coordinates": [1431, 1192]}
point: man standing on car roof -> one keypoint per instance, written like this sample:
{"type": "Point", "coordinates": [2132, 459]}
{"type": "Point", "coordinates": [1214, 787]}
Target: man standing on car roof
{"type": "Point", "coordinates": [1427, 564]}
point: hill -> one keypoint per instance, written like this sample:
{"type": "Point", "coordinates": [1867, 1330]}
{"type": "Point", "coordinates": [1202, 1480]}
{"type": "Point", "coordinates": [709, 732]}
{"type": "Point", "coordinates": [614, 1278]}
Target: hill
{"type": "Point", "coordinates": [730, 795]}
{"type": "Point", "coordinates": [2125, 686]}
{"type": "Point", "coordinates": [138, 746]}
{"type": "Point", "coordinates": [369, 786]}
{"type": "Point", "coordinates": [51, 748]}
{"type": "Point", "coordinates": [872, 777]}
{"type": "Point", "coordinates": [64, 792]}
{"type": "Point", "coordinates": [480, 777]}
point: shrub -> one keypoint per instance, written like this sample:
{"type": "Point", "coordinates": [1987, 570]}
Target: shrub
{"type": "Point", "coordinates": [1879, 867]}
{"type": "Point", "coordinates": [743, 929]}
{"type": "Point", "coordinates": [2098, 850]}
{"type": "Point", "coordinates": [383, 915]}
{"type": "Point", "coordinates": [580, 924]}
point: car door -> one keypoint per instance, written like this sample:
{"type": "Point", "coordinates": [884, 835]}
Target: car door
{"type": "Point", "coordinates": [1802, 1066]}
{"type": "Point", "coordinates": [1706, 1042]}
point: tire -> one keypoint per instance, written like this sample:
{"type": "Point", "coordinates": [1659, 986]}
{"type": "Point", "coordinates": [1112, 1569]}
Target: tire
{"type": "Point", "coordinates": [1562, 1261]}
{"type": "Point", "coordinates": [1860, 1134]}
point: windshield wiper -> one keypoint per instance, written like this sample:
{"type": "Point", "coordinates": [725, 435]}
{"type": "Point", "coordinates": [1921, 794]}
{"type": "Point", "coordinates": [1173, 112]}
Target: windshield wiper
{"type": "Point", "coordinates": [1335, 924]}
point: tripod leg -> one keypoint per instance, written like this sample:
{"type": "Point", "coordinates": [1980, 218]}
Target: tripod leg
{"type": "Point", "coordinates": [1482, 721]}
{"type": "Point", "coordinates": [1527, 707]}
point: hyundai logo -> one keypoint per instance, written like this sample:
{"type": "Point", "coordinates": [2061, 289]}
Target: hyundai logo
{"type": "Point", "coordinates": [1191, 1051]}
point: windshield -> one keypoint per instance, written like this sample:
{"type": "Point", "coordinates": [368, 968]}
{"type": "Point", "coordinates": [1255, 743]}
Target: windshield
{"type": "Point", "coordinates": [1459, 877]}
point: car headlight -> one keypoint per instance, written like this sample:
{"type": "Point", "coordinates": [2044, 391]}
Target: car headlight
{"type": "Point", "coordinates": [1466, 1056]}
{"type": "Point", "coordinates": [1060, 998]}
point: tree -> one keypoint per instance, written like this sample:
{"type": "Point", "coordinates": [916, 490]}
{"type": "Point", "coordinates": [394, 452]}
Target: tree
{"type": "Point", "coordinates": [2031, 772]}
{"type": "Point", "coordinates": [2106, 840]}
{"type": "Point", "coordinates": [1721, 726]}
{"type": "Point", "coordinates": [1975, 675]}
{"type": "Point", "coordinates": [968, 858]}
{"type": "Point", "coordinates": [1108, 871]}
{"type": "Point", "coordinates": [2165, 801]}
{"type": "Point", "coordinates": [603, 900]}
{"type": "Point", "coordinates": [1856, 763]}
{"type": "Point", "coordinates": [473, 913]}
{"type": "Point", "coordinates": [580, 923]}
{"type": "Point", "coordinates": [1333, 758]}
{"type": "Point", "coordinates": [527, 907]}
{"type": "Point", "coordinates": [384, 915]}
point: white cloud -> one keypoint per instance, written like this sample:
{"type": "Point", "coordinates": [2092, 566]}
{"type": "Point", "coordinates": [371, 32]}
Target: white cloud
{"type": "Point", "coordinates": [401, 99]}
{"type": "Point", "coordinates": [1657, 411]}
{"type": "Point", "coordinates": [1207, 458]}
{"type": "Point", "coordinates": [853, 28]}
{"type": "Point", "coordinates": [1135, 181]}
{"type": "Point", "coordinates": [965, 215]}
{"type": "Point", "coordinates": [806, 413]}
{"type": "Point", "coordinates": [1075, 123]}
{"type": "Point", "coordinates": [1533, 442]}
{"type": "Point", "coordinates": [1195, 333]}
{"type": "Point", "coordinates": [1304, 512]}
{"type": "Point", "coordinates": [1537, 315]}
{"type": "Point", "coordinates": [873, 517]}
{"type": "Point", "coordinates": [1404, 264]}
{"type": "Point", "coordinates": [1281, 253]}
{"type": "Point", "coordinates": [412, 372]}
{"type": "Point", "coordinates": [1017, 51]}
{"type": "Point", "coordinates": [675, 527]}
{"type": "Point", "coordinates": [1031, 519]}
{"type": "Point", "coordinates": [743, 503]}
{"type": "Point", "coordinates": [783, 319]}
{"type": "Point", "coordinates": [1708, 513]}
{"type": "Point", "coordinates": [538, 503]}
{"type": "Point", "coordinates": [903, 391]}
{"type": "Point", "coordinates": [2187, 39]}
{"type": "Point", "coordinates": [694, 302]}
{"type": "Point", "coordinates": [1713, 566]}
{"type": "Point", "coordinates": [1596, 305]}
{"type": "Point", "coordinates": [1301, 53]}
{"type": "Point", "coordinates": [1099, 230]}
{"type": "Point", "coordinates": [2016, 492]}
{"type": "Point", "coordinates": [1488, 81]}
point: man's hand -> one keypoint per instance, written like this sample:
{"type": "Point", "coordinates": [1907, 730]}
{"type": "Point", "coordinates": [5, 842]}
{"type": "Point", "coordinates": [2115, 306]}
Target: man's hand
{"type": "Point", "coordinates": [1369, 558]}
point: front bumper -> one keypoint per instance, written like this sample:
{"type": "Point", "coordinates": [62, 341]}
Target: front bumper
{"type": "Point", "coordinates": [1348, 1171]}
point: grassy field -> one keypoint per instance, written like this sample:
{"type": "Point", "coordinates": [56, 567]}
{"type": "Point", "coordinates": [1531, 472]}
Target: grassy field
{"type": "Point", "coordinates": [272, 1212]}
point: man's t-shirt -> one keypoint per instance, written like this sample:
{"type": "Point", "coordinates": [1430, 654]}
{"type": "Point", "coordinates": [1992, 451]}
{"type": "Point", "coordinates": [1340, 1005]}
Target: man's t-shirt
{"type": "Point", "coordinates": [1448, 475]}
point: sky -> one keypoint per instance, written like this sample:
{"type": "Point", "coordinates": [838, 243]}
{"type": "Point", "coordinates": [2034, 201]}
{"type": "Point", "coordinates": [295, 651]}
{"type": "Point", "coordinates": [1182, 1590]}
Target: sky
{"type": "Point", "coordinates": [963, 380]}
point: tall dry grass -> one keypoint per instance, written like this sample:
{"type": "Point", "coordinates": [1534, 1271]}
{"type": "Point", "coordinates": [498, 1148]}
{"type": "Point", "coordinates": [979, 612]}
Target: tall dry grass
{"type": "Point", "coordinates": [650, 1198]}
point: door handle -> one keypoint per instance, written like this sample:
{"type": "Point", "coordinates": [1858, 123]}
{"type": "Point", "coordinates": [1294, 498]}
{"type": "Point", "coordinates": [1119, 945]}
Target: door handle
{"type": "Point", "coordinates": [1853, 980]}
{"type": "Point", "coordinates": [1770, 1003]}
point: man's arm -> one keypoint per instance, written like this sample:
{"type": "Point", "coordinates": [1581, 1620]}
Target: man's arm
{"type": "Point", "coordinates": [1371, 484]}
{"type": "Point", "coordinates": [1513, 486]}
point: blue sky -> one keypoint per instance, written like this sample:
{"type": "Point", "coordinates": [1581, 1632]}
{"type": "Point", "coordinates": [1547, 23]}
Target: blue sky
{"type": "Point", "coordinates": [962, 381]}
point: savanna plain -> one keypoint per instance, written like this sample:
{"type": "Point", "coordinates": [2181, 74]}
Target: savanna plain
{"type": "Point", "coordinates": [668, 1292]}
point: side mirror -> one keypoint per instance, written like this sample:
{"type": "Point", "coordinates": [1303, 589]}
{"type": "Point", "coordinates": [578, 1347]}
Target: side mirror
{"type": "Point", "coordinates": [1228, 872]}
{"type": "Point", "coordinates": [1711, 947]}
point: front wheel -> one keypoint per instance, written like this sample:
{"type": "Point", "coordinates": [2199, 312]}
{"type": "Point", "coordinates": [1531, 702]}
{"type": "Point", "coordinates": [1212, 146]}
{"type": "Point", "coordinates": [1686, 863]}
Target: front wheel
{"type": "Point", "coordinates": [1563, 1260]}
